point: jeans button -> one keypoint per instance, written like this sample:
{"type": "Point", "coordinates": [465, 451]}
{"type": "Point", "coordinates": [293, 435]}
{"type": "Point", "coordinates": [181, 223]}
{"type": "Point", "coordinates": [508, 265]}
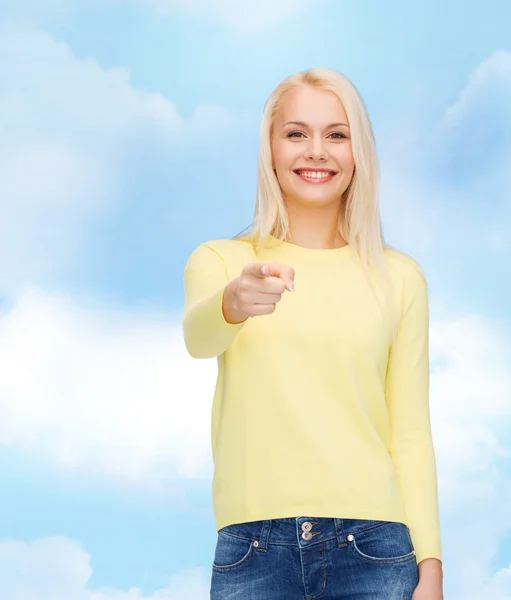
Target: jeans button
{"type": "Point", "coordinates": [307, 535]}
{"type": "Point", "coordinates": [307, 526]}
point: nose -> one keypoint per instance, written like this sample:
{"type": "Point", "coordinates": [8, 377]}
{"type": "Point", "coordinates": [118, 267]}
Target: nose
{"type": "Point", "coordinates": [315, 149]}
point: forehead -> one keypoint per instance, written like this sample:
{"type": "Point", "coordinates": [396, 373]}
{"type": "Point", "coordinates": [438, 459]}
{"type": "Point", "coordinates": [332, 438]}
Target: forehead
{"type": "Point", "coordinates": [304, 103]}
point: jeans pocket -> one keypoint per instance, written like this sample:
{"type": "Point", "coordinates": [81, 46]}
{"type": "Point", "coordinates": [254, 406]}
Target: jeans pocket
{"type": "Point", "coordinates": [231, 552]}
{"type": "Point", "coordinates": [388, 543]}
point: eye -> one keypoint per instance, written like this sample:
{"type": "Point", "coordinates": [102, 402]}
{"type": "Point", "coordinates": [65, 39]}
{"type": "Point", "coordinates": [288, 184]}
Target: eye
{"type": "Point", "coordinates": [294, 134]}
{"type": "Point", "coordinates": [339, 135]}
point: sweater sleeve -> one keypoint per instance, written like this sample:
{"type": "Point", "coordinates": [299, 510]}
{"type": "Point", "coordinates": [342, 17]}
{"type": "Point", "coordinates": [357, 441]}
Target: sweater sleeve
{"type": "Point", "coordinates": [206, 332]}
{"type": "Point", "coordinates": [407, 397]}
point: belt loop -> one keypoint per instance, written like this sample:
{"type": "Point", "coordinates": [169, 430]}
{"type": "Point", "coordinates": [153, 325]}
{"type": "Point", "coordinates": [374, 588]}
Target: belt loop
{"type": "Point", "coordinates": [339, 529]}
{"type": "Point", "coordinates": [263, 536]}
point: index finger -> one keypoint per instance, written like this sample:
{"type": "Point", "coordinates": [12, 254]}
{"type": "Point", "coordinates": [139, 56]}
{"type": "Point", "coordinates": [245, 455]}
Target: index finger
{"type": "Point", "coordinates": [258, 269]}
{"type": "Point", "coordinates": [284, 272]}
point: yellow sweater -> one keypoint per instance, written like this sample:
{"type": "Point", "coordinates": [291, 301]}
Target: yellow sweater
{"type": "Point", "coordinates": [313, 412]}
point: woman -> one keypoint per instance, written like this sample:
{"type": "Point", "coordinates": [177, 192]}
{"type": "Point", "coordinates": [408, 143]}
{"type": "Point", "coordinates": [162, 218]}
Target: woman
{"type": "Point", "coordinates": [325, 476]}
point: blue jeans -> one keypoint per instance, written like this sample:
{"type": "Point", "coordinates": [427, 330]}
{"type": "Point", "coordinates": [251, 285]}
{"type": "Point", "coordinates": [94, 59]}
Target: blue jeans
{"type": "Point", "coordinates": [305, 558]}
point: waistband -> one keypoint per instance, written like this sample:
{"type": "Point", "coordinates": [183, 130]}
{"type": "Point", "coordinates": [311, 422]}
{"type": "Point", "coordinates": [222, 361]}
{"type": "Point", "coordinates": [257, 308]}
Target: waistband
{"type": "Point", "coordinates": [299, 531]}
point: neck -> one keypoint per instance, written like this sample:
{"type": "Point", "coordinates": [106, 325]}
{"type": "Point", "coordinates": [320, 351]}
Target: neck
{"type": "Point", "coordinates": [315, 228]}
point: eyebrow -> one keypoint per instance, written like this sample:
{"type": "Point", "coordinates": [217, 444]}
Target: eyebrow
{"type": "Point", "coordinates": [302, 124]}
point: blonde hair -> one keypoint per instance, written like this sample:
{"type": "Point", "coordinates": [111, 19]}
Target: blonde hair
{"type": "Point", "coordinates": [359, 219]}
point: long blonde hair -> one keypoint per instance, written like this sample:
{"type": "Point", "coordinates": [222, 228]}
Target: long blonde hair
{"type": "Point", "coordinates": [359, 219]}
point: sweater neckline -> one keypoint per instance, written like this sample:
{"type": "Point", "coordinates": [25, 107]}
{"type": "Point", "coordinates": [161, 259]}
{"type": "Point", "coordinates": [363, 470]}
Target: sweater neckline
{"type": "Point", "coordinates": [297, 250]}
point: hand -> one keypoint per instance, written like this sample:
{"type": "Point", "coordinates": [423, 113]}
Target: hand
{"type": "Point", "coordinates": [426, 590]}
{"type": "Point", "coordinates": [430, 580]}
{"type": "Point", "coordinates": [256, 291]}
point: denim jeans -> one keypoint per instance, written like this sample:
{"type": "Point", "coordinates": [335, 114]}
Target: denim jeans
{"type": "Point", "coordinates": [305, 558]}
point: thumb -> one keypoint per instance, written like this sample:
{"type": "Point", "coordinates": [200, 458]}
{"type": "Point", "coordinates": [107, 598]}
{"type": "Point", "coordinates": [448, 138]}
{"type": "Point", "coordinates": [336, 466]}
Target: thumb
{"type": "Point", "coordinates": [289, 281]}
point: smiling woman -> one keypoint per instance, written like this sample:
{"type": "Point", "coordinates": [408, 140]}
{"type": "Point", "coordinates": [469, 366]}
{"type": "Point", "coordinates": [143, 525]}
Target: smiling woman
{"type": "Point", "coordinates": [325, 475]}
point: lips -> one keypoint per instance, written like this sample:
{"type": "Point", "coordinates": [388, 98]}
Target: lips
{"type": "Point", "coordinates": [315, 176]}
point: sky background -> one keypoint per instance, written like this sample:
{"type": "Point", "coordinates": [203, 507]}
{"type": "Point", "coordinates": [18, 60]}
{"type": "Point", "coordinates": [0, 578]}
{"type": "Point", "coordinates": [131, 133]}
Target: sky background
{"type": "Point", "coordinates": [129, 135]}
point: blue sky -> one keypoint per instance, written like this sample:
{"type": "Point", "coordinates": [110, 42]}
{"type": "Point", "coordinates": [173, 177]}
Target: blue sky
{"type": "Point", "coordinates": [128, 135]}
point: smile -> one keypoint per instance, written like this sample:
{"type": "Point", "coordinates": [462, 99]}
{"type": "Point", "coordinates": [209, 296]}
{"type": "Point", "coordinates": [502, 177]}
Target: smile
{"type": "Point", "coordinates": [312, 176]}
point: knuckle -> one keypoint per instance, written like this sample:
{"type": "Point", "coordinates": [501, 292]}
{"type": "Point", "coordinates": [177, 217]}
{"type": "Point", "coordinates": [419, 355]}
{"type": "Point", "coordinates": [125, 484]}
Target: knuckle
{"type": "Point", "coordinates": [248, 269]}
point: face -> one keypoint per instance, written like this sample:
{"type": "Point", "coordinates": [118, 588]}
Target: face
{"type": "Point", "coordinates": [311, 146]}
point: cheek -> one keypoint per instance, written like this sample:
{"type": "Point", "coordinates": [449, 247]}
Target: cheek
{"type": "Point", "coordinates": [284, 157]}
{"type": "Point", "coordinates": [345, 158]}
{"type": "Point", "coordinates": [276, 154]}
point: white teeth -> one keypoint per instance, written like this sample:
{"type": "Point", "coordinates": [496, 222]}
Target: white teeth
{"type": "Point", "coordinates": [314, 174]}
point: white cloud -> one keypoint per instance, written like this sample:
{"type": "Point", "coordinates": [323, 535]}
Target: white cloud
{"type": "Point", "coordinates": [476, 144]}
{"type": "Point", "coordinates": [49, 192]}
{"type": "Point", "coordinates": [498, 588]}
{"type": "Point", "coordinates": [46, 91]}
{"type": "Point", "coordinates": [59, 569]}
{"type": "Point", "coordinates": [65, 125]}
{"type": "Point", "coordinates": [446, 186]}
{"type": "Point", "coordinates": [471, 414]}
{"type": "Point", "coordinates": [104, 390]}
{"type": "Point", "coordinates": [247, 17]}
{"type": "Point", "coordinates": [488, 85]}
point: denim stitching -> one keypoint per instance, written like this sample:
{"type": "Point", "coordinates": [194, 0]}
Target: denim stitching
{"type": "Point", "coordinates": [324, 576]}
{"type": "Point", "coordinates": [372, 560]}
{"type": "Point", "coordinates": [237, 565]}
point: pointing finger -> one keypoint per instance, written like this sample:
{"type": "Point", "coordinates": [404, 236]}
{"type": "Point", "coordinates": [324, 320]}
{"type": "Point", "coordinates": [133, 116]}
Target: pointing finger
{"type": "Point", "coordinates": [284, 272]}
